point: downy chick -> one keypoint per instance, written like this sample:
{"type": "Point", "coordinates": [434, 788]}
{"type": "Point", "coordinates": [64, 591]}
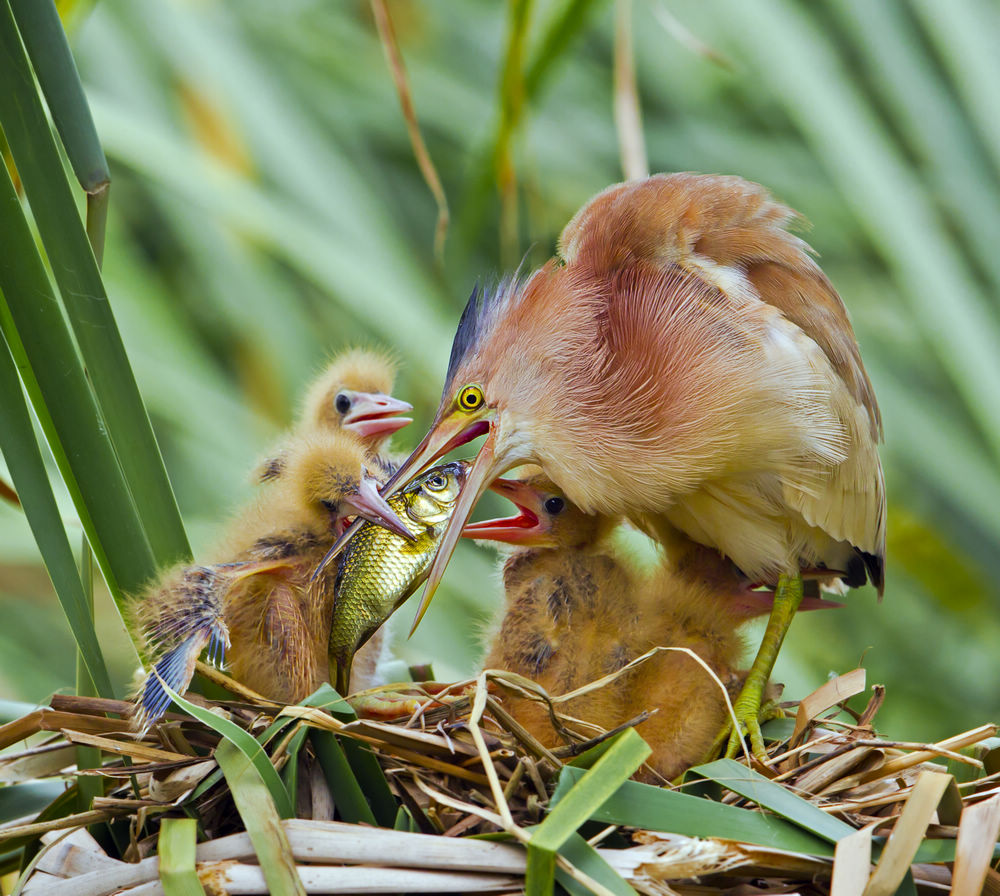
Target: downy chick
{"type": "Point", "coordinates": [577, 610]}
{"type": "Point", "coordinates": [351, 395]}
{"type": "Point", "coordinates": [566, 596]}
{"type": "Point", "coordinates": [256, 598]}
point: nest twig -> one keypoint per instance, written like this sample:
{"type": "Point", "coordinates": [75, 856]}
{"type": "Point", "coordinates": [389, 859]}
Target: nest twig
{"type": "Point", "coordinates": [464, 766]}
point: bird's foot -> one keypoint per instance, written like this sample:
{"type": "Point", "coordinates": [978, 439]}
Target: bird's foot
{"type": "Point", "coordinates": [752, 708]}
{"type": "Point", "coordinates": [770, 710]}
{"type": "Point", "coordinates": [748, 706]}
{"type": "Point", "coordinates": [747, 710]}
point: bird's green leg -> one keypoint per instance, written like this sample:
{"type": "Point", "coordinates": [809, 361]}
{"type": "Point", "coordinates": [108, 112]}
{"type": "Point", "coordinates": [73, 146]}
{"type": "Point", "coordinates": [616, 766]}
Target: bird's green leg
{"type": "Point", "coordinates": [787, 597]}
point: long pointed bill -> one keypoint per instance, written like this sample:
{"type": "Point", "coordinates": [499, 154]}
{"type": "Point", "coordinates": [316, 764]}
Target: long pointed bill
{"type": "Point", "coordinates": [372, 506]}
{"type": "Point", "coordinates": [443, 437]}
{"type": "Point", "coordinates": [376, 414]}
{"type": "Point", "coordinates": [483, 471]}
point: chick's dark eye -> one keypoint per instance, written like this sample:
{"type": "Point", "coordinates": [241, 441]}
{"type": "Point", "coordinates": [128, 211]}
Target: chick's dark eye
{"type": "Point", "coordinates": [554, 505]}
{"type": "Point", "coordinates": [342, 403]}
{"type": "Point", "coordinates": [436, 482]}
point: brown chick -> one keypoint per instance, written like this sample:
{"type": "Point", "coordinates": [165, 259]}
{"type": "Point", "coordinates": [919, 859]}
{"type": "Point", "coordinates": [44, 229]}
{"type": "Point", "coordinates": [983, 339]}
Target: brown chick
{"type": "Point", "coordinates": [578, 610]}
{"type": "Point", "coordinates": [351, 395]}
{"type": "Point", "coordinates": [564, 596]}
{"type": "Point", "coordinates": [257, 601]}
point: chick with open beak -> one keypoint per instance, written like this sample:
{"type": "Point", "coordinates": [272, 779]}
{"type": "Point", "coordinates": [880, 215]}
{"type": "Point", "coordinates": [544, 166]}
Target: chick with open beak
{"type": "Point", "coordinates": [580, 606]}
{"type": "Point", "coordinates": [253, 602]}
{"type": "Point", "coordinates": [353, 396]}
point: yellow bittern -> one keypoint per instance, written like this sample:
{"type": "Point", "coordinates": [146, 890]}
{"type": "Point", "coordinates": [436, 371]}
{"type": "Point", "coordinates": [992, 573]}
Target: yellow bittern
{"type": "Point", "coordinates": [687, 364]}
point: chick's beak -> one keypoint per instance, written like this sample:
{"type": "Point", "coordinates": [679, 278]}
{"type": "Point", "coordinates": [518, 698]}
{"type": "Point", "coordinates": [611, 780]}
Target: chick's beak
{"type": "Point", "coordinates": [485, 468]}
{"type": "Point", "coordinates": [376, 414]}
{"type": "Point", "coordinates": [367, 502]}
{"type": "Point", "coordinates": [527, 528]}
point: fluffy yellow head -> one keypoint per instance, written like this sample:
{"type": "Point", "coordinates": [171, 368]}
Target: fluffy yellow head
{"type": "Point", "coordinates": [353, 393]}
{"type": "Point", "coordinates": [330, 476]}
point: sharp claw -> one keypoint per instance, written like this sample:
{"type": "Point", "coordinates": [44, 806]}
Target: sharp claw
{"type": "Point", "coordinates": [749, 713]}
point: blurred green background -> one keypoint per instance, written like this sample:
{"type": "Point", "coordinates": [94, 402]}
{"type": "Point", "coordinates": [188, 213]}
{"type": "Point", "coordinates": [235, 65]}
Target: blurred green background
{"type": "Point", "coordinates": [267, 211]}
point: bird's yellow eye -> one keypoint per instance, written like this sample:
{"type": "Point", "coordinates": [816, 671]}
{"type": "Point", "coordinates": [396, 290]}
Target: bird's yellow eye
{"type": "Point", "coordinates": [471, 398]}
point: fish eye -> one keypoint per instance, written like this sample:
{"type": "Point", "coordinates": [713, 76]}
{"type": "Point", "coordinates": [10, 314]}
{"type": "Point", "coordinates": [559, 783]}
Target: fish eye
{"type": "Point", "coordinates": [436, 482]}
{"type": "Point", "coordinates": [471, 397]}
{"type": "Point", "coordinates": [342, 403]}
{"type": "Point", "coordinates": [554, 506]}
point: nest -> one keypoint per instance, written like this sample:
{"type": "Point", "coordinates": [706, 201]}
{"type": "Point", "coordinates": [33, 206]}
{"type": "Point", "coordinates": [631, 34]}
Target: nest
{"type": "Point", "coordinates": [457, 797]}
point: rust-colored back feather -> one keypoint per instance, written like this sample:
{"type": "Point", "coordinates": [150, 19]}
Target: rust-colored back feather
{"type": "Point", "coordinates": [672, 219]}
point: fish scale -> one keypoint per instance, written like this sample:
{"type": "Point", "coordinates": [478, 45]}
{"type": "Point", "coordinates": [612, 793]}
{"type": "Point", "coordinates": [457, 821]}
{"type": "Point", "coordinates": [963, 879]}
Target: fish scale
{"type": "Point", "coordinates": [380, 570]}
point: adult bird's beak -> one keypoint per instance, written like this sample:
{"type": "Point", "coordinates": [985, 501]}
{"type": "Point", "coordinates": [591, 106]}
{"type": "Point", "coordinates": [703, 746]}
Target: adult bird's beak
{"type": "Point", "coordinates": [367, 502]}
{"type": "Point", "coordinates": [485, 468]}
{"type": "Point", "coordinates": [445, 435]}
{"type": "Point", "coordinates": [375, 413]}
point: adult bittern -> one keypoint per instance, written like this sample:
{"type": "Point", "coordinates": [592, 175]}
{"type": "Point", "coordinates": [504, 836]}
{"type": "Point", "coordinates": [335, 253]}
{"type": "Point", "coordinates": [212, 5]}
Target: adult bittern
{"type": "Point", "coordinates": [351, 395]}
{"type": "Point", "coordinates": [577, 609]}
{"type": "Point", "coordinates": [256, 598]}
{"type": "Point", "coordinates": [687, 364]}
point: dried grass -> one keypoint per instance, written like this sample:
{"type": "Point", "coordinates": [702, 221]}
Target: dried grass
{"type": "Point", "coordinates": [462, 766]}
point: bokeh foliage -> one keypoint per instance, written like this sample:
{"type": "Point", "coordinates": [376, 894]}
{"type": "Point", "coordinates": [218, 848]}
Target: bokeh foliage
{"type": "Point", "coordinates": [267, 210]}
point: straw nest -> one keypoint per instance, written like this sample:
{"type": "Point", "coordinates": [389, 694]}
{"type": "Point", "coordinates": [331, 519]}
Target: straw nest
{"type": "Point", "coordinates": [244, 796]}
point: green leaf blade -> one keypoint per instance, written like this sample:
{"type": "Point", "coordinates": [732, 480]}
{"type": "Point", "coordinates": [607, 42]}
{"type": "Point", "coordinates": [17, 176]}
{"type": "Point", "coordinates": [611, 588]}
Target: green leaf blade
{"type": "Point", "coordinates": [27, 468]}
{"type": "Point", "coordinates": [260, 816]}
{"type": "Point", "coordinates": [748, 783]}
{"type": "Point", "coordinates": [86, 302]}
{"type": "Point", "coordinates": [657, 809]}
{"type": "Point", "coordinates": [45, 40]}
{"type": "Point", "coordinates": [597, 784]}
{"type": "Point", "coordinates": [247, 745]}
{"type": "Point", "coordinates": [176, 848]}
